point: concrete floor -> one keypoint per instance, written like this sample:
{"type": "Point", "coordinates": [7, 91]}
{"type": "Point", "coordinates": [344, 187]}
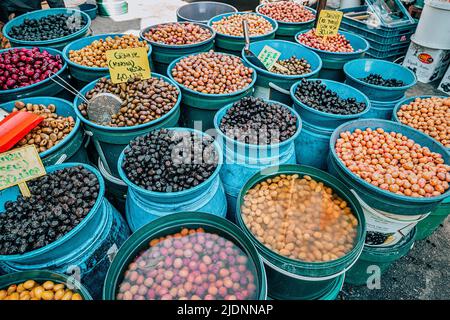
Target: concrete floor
{"type": "Point", "coordinates": [423, 274]}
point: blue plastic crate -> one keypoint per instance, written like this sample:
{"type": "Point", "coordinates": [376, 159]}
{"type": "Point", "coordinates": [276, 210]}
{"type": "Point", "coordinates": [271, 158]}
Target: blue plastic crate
{"type": "Point", "coordinates": [385, 54]}
{"type": "Point", "coordinates": [383, 34]}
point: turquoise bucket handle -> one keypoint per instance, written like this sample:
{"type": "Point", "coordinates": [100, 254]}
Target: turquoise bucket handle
{"type": "Point", "coordinates": [99, 149]}
{"type": "Point", "coordinates": [279, 89]}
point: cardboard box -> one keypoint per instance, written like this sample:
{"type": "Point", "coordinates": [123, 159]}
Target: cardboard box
{"type": "Point", "coordinates": [428, 64]}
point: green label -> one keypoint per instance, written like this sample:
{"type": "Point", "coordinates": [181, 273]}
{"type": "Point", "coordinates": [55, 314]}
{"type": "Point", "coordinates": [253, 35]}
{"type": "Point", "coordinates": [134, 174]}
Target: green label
{"type": "Point", "coordinates": [269, 56]}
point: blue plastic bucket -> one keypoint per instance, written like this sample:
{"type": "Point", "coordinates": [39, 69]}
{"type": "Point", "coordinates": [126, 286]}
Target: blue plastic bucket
{"type": "Point", "coordinates": [200, 108]}
{"type": "Point", "coordinates": [360, 68]}
{"type": "Point", "coordinates": [144, 206]}
{"type": "Point", "coordinates": [71, 149]}
{"type": "Point", "coordinates": [288, 30]}
{"type": "Point", "coordinates": [287, 49]}
{"type": "Point", "coordinates": [202, 11]}
{"type": "Point", "coordinates": [333, 62]}
{"type": "Point", "coordinates": [234, 44]}
{"type": "Point", "coordinates": [408, 100]}
{"type": "Point", "coordinates": [110, 141]}
{"type": "Point", "coordinates": [381, 109]}
{"type": "Point", "coordinates": [58, 43]}
{"type": "Point", "coordinates": [88, 74]}
{"type": "Point", "coordinates": [90, 9]}
{"type": "Point", "coordinates": [84, 251]}
{"type": "Point", "coordinates": [164, 54]}
{"type": "Point", "coordinates": [373, 196]}
{"type": "Point", "coordinates": [312, 146]}
{"type": "Point", "coordinates": [46, 87]}
{"type": "Point", "coordinates": [241, 161]}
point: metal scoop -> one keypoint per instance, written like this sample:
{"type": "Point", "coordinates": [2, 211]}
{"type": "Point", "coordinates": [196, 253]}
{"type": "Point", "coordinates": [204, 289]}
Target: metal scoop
{"type": "Point", "coordinates": [100, 108]}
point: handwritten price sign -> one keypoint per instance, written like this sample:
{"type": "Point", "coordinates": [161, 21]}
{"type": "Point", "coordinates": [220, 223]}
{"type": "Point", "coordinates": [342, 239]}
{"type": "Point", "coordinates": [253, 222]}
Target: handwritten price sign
{"type": "Point", "coordinates": [129, 63]}
{"type": "Point", "coordinates": [269, 56]}
{"type": "Point", "coordinates": [329, 23]}
{"type": "Point", "coordinates": [18, 166]}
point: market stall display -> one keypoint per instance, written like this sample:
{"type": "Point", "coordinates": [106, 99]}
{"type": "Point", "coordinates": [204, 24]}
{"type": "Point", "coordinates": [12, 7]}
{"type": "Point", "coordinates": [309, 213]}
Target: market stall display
{"type": "Point", "coordinates": [206, 136]}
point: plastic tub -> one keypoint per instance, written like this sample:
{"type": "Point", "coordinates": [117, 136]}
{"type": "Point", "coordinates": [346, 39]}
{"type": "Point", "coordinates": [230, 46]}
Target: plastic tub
{"type": "Point", "coordinates": [234, 44]}
{"type": "Point", "coordinates": [433, 28]}
{"type": "Point", "coordinates": [144, 206]}
{"type": "Point", "coordinates": [164, 54]}
{"type": "Point", "coordinates": [288, 30]}
{"type": "Point", "coordinates": [88, 74]}
{"type": "Point", "coordinates": [58, 43]}
{"type": "Point", "coordinates": [172, 224]}
{"type": "Point", "coordinates": [82, 252]}
{"type": "Point", "coordinates": [90, 9]}
{"type": "Point", "coordinates": [426, 227]}
{"type": "Point", "coordinates": [361, 68]}
{"type": "Point", "coordinates": [47, 87]}
{"type": "Point", "coordinates": [381, 109]}
{"type": "Point", "coordinates": [333, 62]}
{"type": "Point", "coordinates": [265, 78]}
{"type": "Point", "coordinates": [241, 161]}
{"type": "Point", "coordinates": [71, 149]}
{"type": "Point", "coordinates": [42, 276]}
{"type": "Point", "coordinates": [408, 100]}
{"type": "Point", "coordinates": [294, 279]}
{"type": "Point", "coordinates": [378, 260]}
{"type": "Point", "coordinates": [312, 145]}
{"type": "Point", "coordinates": [200, 108]}
{"type": "Point", "coordinates": [375, 197]}
{"type": "Point", "coordinates": [112, 140]}
{"type": "Point", "coordinates": [202, 11]}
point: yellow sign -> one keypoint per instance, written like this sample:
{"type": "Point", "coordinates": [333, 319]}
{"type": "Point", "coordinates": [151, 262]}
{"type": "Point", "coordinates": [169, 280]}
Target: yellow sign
{"type": "Point", "coordinates": [18, 166]}
{"type": "Point", "coordinates": [329, 23]}
{"type": "Point", "coordinates": [124, 64]}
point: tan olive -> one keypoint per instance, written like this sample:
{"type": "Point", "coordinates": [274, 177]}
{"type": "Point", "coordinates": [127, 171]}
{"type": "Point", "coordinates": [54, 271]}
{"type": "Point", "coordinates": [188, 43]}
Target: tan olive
{"type": "Point", "coordinates": [38, 291]}
{"type": "Point", "coordinates": [76, 296]}
{"type": "Point", "coordinates": [29, 284]}
{"type": "Point", "coordinates": [59, 294]}
{"type": "Point", "coordinates": [48, 295]}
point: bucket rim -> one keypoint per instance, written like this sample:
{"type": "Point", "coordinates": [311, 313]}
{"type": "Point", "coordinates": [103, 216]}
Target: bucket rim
{"type": "Point", "coordinates": [41, 275]}
{"type": "Point", "coordinates": [331, 115]}
{"type": "Point", "coordinates": [225, 5]}
{"type": "Point", "coordinates": [185, 192]}
{"type": "Point", "coordinates": [280, 22]}
{"type": "Point", "coordinates": [379, 123]}
{"type": "Point", "coordinates": [51, 11]}
{"type": "Point", "coordinates": [221, 112]}
{"type": "Point", "coordinates": [388, 102]}
{"type": "Point", "coordinates": [339, 188]}
{"type": "Point", "coordinates": [91, 85]}
{"type": "Point", "coordinates": [183, 46]}
{"type": "Point", "coordinates": [53, 52]}
{"type": "Point", "coordinates": [389, 64]}
{"type": "Point", "coordinates": [53, 245]}
{"type": "Point", "coordinates": [181, 219]}
{"type": "Point", "coordinates": [273, 22]}
{"type": "Point", "coordinates": [68, 47]}
{"type": "Point", "coordinates": [68, 104]}
{"type": "Point", "coordinates": [284, 76]}
{"type": "Point", "coordinates": [210, 95]}
{"type": "Point", "coordinates": [344, 33]}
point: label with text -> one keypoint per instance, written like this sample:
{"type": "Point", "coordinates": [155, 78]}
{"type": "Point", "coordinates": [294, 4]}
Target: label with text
{"type": "Point", "coordinates": [269, 56]}
{"type": "Point", "coordinates": [20, 165]}
{"type": "Point", "coordinates": [128, 63]}
{"type": "Point", "coordinates": [329, 23]}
